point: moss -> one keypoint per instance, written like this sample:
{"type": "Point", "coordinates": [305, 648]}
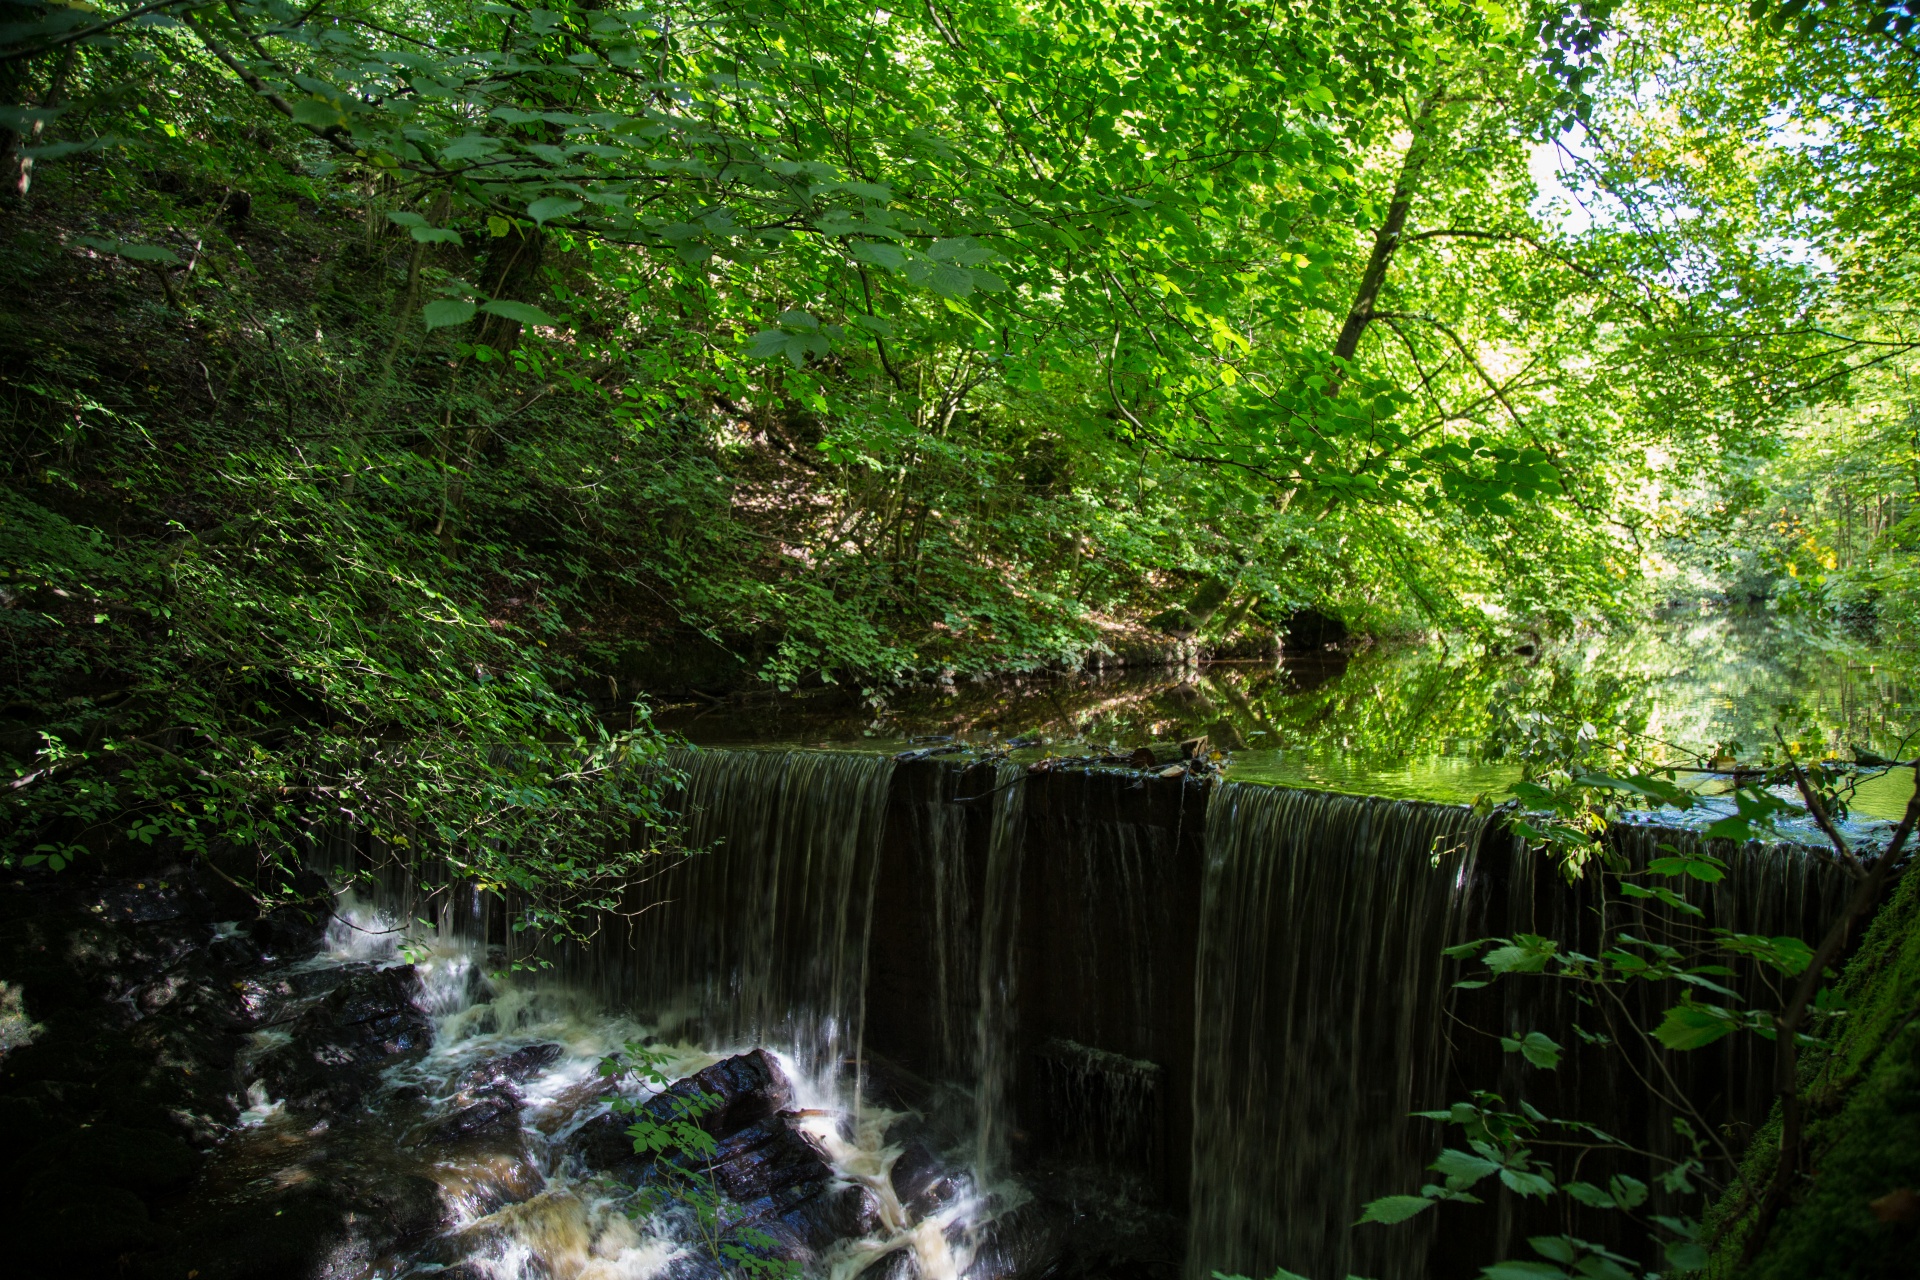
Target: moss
{"type": "Point", "coordinates": [1863, 1132]}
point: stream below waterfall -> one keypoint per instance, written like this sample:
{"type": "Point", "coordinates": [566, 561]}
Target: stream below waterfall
{"type": "Point", "coordinates": [493, 1112]}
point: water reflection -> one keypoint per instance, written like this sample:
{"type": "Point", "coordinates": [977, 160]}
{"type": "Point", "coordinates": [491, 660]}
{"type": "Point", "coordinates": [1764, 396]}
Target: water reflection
{"type": "Point", "coordinates": [1407, 721]}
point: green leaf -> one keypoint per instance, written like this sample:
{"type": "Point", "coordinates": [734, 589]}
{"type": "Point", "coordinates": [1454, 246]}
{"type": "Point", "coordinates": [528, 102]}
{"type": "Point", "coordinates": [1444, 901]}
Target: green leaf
{"type": "Point", "coordinates": [1788, 954]}
{"type": "Point", "coordinates": [1693, 1026]}
{"type": "Point", "coordinates": [1699, 867]}
{"type": "Point", "coordinates": [1662, 894]}
{"type": "Point", "coordinates": [435, 235]}
{"type": "Point", "coordinates": [1388, 1210]}
{"type": "Point", "coordinates": [1536, 1048]}
{"type": "Point", "coordinates": [1554, 1248]}
{"type": "Point", "coordinates": [317, 113]}
{"type": "Point", "coordinates": [525, 313]}
{"type": "Point", "coordinates": [880, 254]}
{"type": "Point", "coordinates": [405, 219]}
{"type": "Point", "coordinates": [1588, 1194]}
{"type": "Point", "coordinates": [767, 344]}
{"type": "Point", "coordinates": [1628, 1193]}
{"type": "Point", "coordinates": [547, 208]}
{"type": "Point", "coordinates": [951, 282]}
{"type": "Point", "coordinates": [1462, 1169]}
{"type": "Point", "coordinates": [158, 254]}
{"type": "Point", "coordinates": [1685, 1255]}
{"type": "Point", "coordinates": [447, 311]}
{"type": "Point", "coordinates": [1521, 1182]}
{"type": "Point", "coordinates": [1523, 1271]}
{"type": "Point", "coordinates": [1527, 953]}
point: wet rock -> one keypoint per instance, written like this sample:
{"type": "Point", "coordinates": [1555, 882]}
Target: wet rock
{"type": "Point", "coordinates": [494, 1113]}
{"type": "Point", "coordinates": [509, 1068]}
{"type": "Point", "coordinates": [765, 1158]}
{"type": "Point", "coordinates": [296, 929]}
{"type": "Point", "coordinates": [829, 1216]}
{"type": "Point", "coordinates": [746, 1089]}
{"type": "Point", "coordinates": [921, 1182]}
{"type": "Point", "coordinates": [137, 901]}
{"type": "Point", "coordinates": [1026, 1243]}
{"type": "Point", "coordinates": [339, 1046]}
{"type": "Point", "coordinates": [602, 1145]}
{"type": "Point", "coordinates": [740, 1092]}
{"type": "Point", "coordinates": [270, 997]}
{"type": "Point", "coordinates": [901, 1264]}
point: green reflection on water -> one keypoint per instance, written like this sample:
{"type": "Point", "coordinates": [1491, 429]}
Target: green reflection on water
{"type": "Point", "coordinates": [1411, 722]}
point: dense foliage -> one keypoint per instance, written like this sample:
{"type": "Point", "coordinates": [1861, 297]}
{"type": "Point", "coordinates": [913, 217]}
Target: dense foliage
{"type": "Point", "coordinates": [395, 389]}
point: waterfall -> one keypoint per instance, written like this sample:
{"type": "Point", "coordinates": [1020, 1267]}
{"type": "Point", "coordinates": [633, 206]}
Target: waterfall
{"type": "Point", "coordinates": [1318, 1024]}
{"type": "Point", "coordinates": [999, 929]}
{"type": "Point", "coordinates": [760, 934]}
{"type": "Point", "coordinates": [1232, 1014]}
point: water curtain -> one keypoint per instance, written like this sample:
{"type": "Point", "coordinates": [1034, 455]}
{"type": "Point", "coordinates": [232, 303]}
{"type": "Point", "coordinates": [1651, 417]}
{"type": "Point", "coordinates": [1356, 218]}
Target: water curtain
{"type": "Point", "coordinates": [1317, 992]}
{"type": "Point", "coordinates": [759, 936]}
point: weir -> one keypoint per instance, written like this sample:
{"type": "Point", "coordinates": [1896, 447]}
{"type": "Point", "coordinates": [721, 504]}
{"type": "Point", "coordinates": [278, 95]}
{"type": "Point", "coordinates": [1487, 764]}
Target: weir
{"type": "Point", "coordinates": [1210, 1000]}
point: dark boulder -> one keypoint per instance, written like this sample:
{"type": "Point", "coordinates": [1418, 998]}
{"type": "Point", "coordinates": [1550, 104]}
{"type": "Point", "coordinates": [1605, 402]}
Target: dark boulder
{"type": "Point", "coordinates": [137, 901]}
{"type": "Point", "coordinates": [296, 929]}
{"type": "Point", "coordinates": [509, 1068]}
{"type": "Point", "coordinates": [901, 1264]}
{"type": "Point", "coordinates": [739, 1091]}
{"type": "Point", "coordinates": [921, 1181]}
{"type": "Point", "coordinates": [492, 1113]}
{"type": "Point", "coordinates": [340, 1045]}
{"type": "Point", "coordinates": [823, 1219]}
{"type": "Point", "coordinates": [766, 1158]}
{"type": "Point", "coordinates": [1027, 1243]}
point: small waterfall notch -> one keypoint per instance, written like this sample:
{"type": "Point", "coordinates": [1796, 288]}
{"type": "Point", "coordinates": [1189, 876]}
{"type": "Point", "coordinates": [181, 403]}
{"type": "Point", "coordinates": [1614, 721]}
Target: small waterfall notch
{"type": "Point", "coordinates": [760, 934]}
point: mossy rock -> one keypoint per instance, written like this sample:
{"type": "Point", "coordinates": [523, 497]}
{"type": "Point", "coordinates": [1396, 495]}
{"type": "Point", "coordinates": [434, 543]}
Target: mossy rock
{"type": "Point", "coordinates": [1855, 1216]}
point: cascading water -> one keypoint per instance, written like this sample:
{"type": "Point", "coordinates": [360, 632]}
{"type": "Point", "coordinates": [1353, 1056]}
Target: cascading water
{"type": "Point", "coordinates": [493, 1111]}
{"type": "Point", "coordinates": [1071, 973]}
{"type": "Point", "coordinates": [760, 935]}
{"type": "Point", "coordinates": [1318, 994]}
{"type": "Point", "coordinates": [997, 973]}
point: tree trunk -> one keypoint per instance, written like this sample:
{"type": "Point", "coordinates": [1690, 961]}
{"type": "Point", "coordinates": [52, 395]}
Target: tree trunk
{"type": "Point", "coordinates": [1387, 239]}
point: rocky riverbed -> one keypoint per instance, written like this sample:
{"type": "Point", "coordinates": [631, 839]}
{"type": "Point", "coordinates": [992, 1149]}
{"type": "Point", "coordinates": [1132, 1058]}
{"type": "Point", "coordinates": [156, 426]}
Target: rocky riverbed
{"type": "Point", "coordinates": [190, 1089]}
